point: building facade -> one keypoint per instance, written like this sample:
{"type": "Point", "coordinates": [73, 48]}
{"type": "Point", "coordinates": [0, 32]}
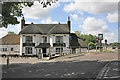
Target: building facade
{"type": "Point", "coordinates": [10, 44]}
{"type": "Point", "coordinates": [46, 39]}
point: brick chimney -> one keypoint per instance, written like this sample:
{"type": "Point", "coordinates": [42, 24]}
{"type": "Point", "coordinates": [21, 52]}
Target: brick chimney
{"type": "Point", "coordinates": [69, 24]}
{"type": "Point", "coordinates": [22, 23]}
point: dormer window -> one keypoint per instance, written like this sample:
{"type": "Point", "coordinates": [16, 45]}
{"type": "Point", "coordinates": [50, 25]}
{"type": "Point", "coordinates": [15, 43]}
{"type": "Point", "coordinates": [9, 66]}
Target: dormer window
{"type": "Point", "coordinates": [29, 39]}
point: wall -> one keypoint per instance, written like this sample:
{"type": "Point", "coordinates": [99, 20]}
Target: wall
{"type": "Point", "coordinates": [37, 38]}
{"type": "Point", "coordinates": [16, 49]}
{"type": "Point", "coordinates": [83, 49]}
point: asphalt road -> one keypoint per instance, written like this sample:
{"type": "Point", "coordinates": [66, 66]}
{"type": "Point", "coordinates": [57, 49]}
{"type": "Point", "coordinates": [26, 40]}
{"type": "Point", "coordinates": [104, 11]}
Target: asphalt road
{"type": "Point", "coordinates": [70, 69]}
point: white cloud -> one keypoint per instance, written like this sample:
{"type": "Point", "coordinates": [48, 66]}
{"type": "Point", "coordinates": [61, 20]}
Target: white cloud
{"type": "Point", "coordinates": [92, 6]}
{"type": "Point", "coordinates": [76, 17]}
{"type": "Point", "coordinates": [3, 32]}
{"type": "Point", "coordinates": [49, 21]}
{"type": "Point", "coordinates": [37, 11]}
{"type": "Point", "coordinates": [112, 17]}
{"type": "Point", "coordinates": [94, 26]}
{"type": "Point", "coordinates": [16, 28]}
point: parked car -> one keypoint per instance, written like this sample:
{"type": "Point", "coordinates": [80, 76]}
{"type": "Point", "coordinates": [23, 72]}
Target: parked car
{"type": "Point", "coordinates": [118, 47]}
{"type": "Point", "coordinates": [113, 47]}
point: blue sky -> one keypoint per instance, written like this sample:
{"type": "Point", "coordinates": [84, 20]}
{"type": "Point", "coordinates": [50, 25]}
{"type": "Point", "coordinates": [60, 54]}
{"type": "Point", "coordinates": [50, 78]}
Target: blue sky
{"type": "Point", "coordinates": [87, 17]}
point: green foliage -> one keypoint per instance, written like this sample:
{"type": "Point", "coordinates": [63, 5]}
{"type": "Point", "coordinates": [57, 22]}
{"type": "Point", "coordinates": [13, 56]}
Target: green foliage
{"type": "Point", "coordinates": [78, 33]}
{"type": "Point", "coordinates": [114, 44]}
{"type": "Point", "coordinates": [48, 2]}
{"type": "Point", "coordinates": [107, 51]}
{"type": "Point", "coordinates": [89, 39]}
{"type": "Point", "coordinates": [91, 45]}
{"type": "Point", "coordinates": [12, 10]}
{"type": "Point", "coordinates": [11, 33]}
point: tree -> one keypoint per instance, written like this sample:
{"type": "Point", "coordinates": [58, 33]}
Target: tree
{"type": "Point", "coordinates": [92, 45]}
{"type": "Point", "coordinates": [78, 33]}
{"type": "Point", "coordinates": [89, 39]}
{"type": "Point", "coordinates": [12, 10]}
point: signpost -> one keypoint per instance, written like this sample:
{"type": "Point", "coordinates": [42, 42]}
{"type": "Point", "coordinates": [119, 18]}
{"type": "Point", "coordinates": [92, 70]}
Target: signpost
{"type": "Point", "coordinates": [106, 43]}
{"type": "Point", "coordinates": [100, 37]}
{"type": "Point", "coordinates": [97, 41]}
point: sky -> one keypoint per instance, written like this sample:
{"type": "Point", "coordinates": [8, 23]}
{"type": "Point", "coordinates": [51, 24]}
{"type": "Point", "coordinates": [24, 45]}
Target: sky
{"type": "Point", "coordinates": [88, 17]}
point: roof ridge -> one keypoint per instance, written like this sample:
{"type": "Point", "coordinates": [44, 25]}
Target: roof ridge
{"type": "Point", "coordinates": [39, 29]}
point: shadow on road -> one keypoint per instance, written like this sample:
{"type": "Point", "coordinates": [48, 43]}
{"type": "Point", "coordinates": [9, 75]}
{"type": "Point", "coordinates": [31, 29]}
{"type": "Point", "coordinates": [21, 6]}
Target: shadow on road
{"type": "Point", "coordinates": [70, 69]}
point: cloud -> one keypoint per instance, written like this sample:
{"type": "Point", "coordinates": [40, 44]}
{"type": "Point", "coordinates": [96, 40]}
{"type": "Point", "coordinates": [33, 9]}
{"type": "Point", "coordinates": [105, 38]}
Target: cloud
{"type": "Point", "coordinates": [16, 28]}
{"type": "Point", "coordinates": [92, 7]}
{"type": "Point", "coordinates": [94, 26]}
{"type": "Point", "coordinates": [76, 17]}
{"type": "Point", "coordinates": [3, 32]}
{"type": "Point", "coordinates": [37, 11]}
{"type": "Point", "coordinates": [49, 21]}
{"type": "Point", "coordinates": [112, 17]}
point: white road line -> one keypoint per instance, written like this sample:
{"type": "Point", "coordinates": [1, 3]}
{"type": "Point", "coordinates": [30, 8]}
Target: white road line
{"type": "Point", "coordinates": [113, 77]}
{"type": "Point", "coordinates": [100, 74]}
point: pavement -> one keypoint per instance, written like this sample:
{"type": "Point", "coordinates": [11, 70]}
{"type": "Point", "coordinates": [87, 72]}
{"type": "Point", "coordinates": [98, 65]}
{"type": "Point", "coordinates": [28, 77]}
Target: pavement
{"type": "Point", "coordinates": [80, 57]}
{"type": "Point", "coordinates": [96, 66]}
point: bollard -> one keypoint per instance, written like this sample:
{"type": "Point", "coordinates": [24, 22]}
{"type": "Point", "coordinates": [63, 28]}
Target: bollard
{"type": "Point", "coordinates": [7, 60]}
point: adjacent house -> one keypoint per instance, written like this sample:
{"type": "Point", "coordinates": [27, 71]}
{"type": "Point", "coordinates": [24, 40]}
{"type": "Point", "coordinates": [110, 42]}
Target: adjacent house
{"type": "Point", "coordinates": [10, 44]}
{"type": "Point", "coordinates": [76, 44]}
{"type": "Point", "coordinates": [49, 39]}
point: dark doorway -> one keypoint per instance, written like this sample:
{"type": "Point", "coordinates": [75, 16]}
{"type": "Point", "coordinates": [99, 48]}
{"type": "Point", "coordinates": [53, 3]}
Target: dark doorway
{"type": "Point", "coordinates": [73, 50]}
{"type": "Point", "coordinates": [44, 52]}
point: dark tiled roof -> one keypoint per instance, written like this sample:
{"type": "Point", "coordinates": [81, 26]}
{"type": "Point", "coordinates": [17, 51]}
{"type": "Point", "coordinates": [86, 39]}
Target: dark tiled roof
{"type": "Point", "coordinates": [76, 42]}
{"type": "Point", "coordinates": [43, 45]}
{"type": "Point", "coordinates": [10, 39]}
{"type": "Point", "coordinates": [45, 29]}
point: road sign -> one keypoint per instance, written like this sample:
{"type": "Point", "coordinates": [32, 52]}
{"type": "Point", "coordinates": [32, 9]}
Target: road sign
{"type": "Point", "coordinates": [68, 37]}
{"type": "Point", "coordinates": [105, 43]}
{"type": "Point", "coordinates": [105, 40]}
{"type": "Point", "coordinates": [100, 36]}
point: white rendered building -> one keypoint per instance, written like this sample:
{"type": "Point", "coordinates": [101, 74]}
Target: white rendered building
{"type": "Point", "coordinates": [48, 39]}
{"type": "Point", "coordinates": [10, 44]}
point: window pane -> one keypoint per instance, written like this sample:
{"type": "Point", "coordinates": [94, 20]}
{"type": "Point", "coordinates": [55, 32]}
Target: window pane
{"type": "Point", "coordinates": [58, 50]}
{"type": "Point", "coordinates": [44, 39]}
{"type": "Point", "coordinates": [59, 39]}
{"type": "Point", "coordinates": [28, 50]}
{"type": "Point", "coordinates": [28, 39]}
{"type": "Point", "coordinates": [11, 49]}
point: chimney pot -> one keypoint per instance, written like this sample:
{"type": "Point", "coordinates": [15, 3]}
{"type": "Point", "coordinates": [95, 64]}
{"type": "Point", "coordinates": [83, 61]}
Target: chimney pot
{"type": "Point", "coordinates": [68, 18]}
{"type": "Point", "coordinates": [22, 23]}
{"type": "Point", "coordinates": [69, 24]}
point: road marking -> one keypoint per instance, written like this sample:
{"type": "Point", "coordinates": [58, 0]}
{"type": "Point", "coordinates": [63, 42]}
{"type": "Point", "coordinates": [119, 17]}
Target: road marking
{"type": "Point", "coordinates": [113, 77]}
{"type": "Point", "coordinates": [101, 73]}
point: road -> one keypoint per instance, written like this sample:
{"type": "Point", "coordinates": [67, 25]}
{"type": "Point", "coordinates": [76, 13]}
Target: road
{"type": "Point", "coordinates": [68, 67]}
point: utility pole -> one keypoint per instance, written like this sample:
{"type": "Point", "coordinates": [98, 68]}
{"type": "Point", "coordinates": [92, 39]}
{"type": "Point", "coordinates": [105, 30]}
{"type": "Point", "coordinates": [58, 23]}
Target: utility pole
{"type": "Point", "coordinates": [97, 41]}
{"type": "Point", "coordinates": [100, 46]}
